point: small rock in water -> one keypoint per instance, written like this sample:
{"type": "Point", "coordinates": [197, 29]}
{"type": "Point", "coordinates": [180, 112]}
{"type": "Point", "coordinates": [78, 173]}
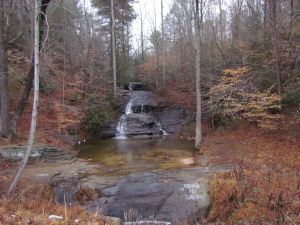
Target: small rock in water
{"type": "Point", "coordinates": [55, 217]}
{"type": "Point", "coordinates": [187, 161]}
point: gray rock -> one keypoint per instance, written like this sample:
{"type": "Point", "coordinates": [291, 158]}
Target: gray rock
{"type": "Point", "coordinates": [64, 188]}
{"type": "Point", "coordinates": [17, 153]}
{"type": "Point", "coordinates": [148, 196]}
{"type": "Point", "coordinates": [108, 131]}
{"type": "Point", "coordinates": [141, 123]}
{"type": "Point", "coordinates": [172, 119]}
{"type": "Point", "coordinates": [143, 98]}
{"type": "Point", "coordinates": [187, 203]}
{"type": "Point", "coordinates": [44, 153]}
{"type": "Point", "coordinates": [171, 196]}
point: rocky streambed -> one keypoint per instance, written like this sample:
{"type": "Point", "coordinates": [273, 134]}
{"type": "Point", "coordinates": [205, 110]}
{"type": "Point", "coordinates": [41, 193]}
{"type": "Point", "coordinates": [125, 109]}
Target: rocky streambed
{"type": "Point", "coordinates": [171, 196]}
{"type": "Point", "coordinates": [174, 195]}
{"type": "Point", "coordinates": [140, 175]}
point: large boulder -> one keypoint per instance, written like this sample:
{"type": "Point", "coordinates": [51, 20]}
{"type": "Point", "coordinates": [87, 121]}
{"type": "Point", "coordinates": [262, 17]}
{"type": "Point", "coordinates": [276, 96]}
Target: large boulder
{"type": "Point", "coordinates": [141, 123]}
{"type": "Point", "coordinates": [172, 119]}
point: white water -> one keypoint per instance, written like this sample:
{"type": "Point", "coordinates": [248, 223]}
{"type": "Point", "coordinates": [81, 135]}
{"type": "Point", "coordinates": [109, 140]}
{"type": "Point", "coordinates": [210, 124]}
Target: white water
{"type": "Point", "coordinates": [122, 124]}
{"type": "Point", "coordinates": [121, 134]}
{"type": "Point", "coordinates": [129, 108]}
{"type": "Point", "coordinates": [162, 130]}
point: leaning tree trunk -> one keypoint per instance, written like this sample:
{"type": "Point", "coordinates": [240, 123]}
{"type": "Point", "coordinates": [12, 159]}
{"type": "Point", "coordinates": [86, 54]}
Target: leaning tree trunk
{"type": "Point", "coordinates": [198, 136]}
{"type": "Point", "coordinates": [35, 99]}
{"type": "Point", "coordinates": [113, 44]}
{"type": "Point", "coordinates": [3, 75]}
{"type": "Point", "coordinates": [30, 76]}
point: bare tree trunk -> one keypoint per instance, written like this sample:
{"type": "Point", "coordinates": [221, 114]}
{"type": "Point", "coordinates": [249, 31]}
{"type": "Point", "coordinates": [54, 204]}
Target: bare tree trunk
{"type": "Point", "coordinates": [221, 22]}
{"type": "Point", "coordinates": [275, 41]}
{"type": "Point", "coordinates": [163, 44]}
{"type": "Point", "coordinates": [198, 136]}
{"type": "Point", "coordinates": [30, 76]}
{"type": "Point", "coordinates": [265, 15]}
{"type": "Point", "coordinates": [156, 67]}
{"type": "Point", "coordinates": [113, 44]}
{"type": "Point", "coordinates": [3, 75]}
{"type": "Point", "coordinates": [35, 100]}
{"type": "Point", "coordinates": [142, 34]}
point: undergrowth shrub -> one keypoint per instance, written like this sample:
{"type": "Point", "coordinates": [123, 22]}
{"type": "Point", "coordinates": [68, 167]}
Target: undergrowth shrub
{"type": "Point", "coordinates": [92, 101]}
{"type": "Point", "coordinates": [222, 120]}
{"type": "Point", "coordinates": [112, 100]}
{"type": "Point", "coordinates": [46, 87]}
{"type": "Point", "coordinates": [291, 98]}
{"type": "Point", "coordinates": [235, 96]}
{"type": "Point", "coordinates": [96, 119]}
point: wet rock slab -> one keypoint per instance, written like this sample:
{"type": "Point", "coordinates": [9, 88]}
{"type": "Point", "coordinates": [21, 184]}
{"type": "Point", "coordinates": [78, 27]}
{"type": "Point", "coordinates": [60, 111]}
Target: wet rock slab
{"type": "Point", "coordinates": [159, 197]}
{"type": "Point", "coordinates": [174, 197]}
{"type": "Point", "coordinates": [143, 98]}
{"type": "Point", "coordinates": [138, 124]}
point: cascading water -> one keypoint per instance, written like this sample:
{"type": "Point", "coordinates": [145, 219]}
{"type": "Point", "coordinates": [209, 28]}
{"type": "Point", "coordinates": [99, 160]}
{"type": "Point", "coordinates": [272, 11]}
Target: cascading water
{"type": "Point", "coordinates": [122, 122]}
{"type": "Point", "coordinates": [139, 118]}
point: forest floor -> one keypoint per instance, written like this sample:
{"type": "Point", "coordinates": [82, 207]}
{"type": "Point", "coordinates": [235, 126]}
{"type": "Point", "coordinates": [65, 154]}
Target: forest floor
{"type": "Point", "coordinates": [265, 185]}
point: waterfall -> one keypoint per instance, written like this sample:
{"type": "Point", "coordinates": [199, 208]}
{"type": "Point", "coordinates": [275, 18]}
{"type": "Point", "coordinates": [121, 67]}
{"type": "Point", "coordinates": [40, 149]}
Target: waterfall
{"type": "Point", "coordinates": [138, 117]}
{"type": "Point", "coordinates": [162, 130]}
{"type": "Point", "coordinates": [121, 134]}
{"type": "Point", "coordinates": [128, 109]}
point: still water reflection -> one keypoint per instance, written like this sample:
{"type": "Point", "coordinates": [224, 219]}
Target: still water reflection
{"type": "Point", "coordinates": [125, 156]}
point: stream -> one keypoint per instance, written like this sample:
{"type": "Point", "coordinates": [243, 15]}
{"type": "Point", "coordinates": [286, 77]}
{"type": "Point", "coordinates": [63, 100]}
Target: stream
{"type": "Point", "coordinates": [144, 172]}
{"type": "Point", "coordinates": [140, 144]}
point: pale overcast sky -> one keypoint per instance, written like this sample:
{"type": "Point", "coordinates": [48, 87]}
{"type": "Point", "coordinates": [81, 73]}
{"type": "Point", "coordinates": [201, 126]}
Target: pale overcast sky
{"type": "Point", "coordinates": [150, 9]}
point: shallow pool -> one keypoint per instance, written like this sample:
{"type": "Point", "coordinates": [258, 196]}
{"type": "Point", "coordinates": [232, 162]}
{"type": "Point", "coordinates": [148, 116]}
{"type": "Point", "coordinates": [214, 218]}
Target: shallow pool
{"type": "Point", "coordinates": [125, 156]}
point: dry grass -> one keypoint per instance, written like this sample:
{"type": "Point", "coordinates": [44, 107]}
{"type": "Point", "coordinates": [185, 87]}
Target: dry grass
{"type": "Point", "coordinates": [33, 203]}
{"type": "Point", "coordinates": [265, 186]}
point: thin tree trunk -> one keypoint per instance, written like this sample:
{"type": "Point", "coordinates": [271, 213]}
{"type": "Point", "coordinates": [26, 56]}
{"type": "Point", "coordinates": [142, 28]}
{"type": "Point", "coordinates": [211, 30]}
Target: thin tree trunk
{"type": "Point", "coordinates": [221, 22]}
{"type": "Point", "coordinates": [30, 76]}
{"type": "Point", "coordinates": [275, 41]}
{"type": "Point", "coordinates": [265, 15]}
{"type": "Point", "coordinates": [198, 136]}
{"type": "Point", "coordinates": [113, 44]}
{"type": "Point", "coordinates": [35, 100]}
{"type": "Point", "coordinates": [3, 75]}
{"type": "Point", "coordinates": [142, 34]}
{"type": "Point", "coordinates": [163, 45]}
{"type": "Point", "coordinates": [156, 70]}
